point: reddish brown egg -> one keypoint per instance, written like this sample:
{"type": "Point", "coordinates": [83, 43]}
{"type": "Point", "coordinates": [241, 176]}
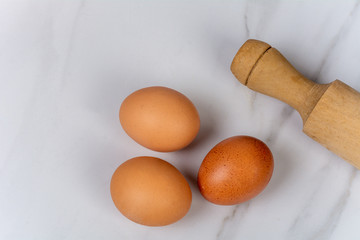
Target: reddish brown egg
{"type": "Point", "coordinates": [235, 170]}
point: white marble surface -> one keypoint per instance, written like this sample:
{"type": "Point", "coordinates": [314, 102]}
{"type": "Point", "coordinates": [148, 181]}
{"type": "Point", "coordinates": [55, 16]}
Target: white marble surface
{"type": "Point", "coordinates": [65, 67]}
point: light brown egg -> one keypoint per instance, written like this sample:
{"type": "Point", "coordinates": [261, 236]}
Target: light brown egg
{"type": "Point", "coordinates": [235, 170]}
{"type": "Point", "coordinates": [150, 191]}
{"type": "Point", "coordinates": [160, 119]}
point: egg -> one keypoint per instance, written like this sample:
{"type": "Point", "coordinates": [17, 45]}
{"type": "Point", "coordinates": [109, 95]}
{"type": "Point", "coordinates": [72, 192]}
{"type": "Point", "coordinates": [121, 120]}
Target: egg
{"type": "Point", "coordinates": [160, 119]}
{"type": "Point", "coordinates": [235, 170]}
{"type": "Point", "coordinates": [150, 191]}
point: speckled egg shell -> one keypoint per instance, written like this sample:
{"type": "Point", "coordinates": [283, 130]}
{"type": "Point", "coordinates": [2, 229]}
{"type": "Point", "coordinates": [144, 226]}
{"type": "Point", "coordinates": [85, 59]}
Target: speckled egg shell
{"type": "Point", "coordinates": [235, 170]}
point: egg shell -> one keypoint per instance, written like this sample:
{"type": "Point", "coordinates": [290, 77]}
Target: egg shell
{"type": "Point", "coordinates": [160, 119]}
{"type": "Point", "coordinates": [150, 191]}
{"type": "Point", "coordinates": [235, 170]}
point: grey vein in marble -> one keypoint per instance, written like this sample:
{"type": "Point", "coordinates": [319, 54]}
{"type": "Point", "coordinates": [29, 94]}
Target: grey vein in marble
{"type": "Point", "coordinates": [252, 100]}
{"type": "Point", "coordinates": [329, 226]}
{"type": "Point", "coordinates": [72, 36]}
{"type": "Point", "coordinates": [285, 114]}
{"type": "Point", "coordinates": [221, 234]}
{"type": "Point", "coordinates": [344, 29]}
{"type": "Point", "coordinates": [247, 30]}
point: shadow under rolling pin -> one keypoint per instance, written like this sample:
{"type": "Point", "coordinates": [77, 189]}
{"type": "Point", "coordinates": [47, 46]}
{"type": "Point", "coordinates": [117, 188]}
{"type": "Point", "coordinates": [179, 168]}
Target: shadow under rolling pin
{"type": "Point", "coordinates": [330, 112]}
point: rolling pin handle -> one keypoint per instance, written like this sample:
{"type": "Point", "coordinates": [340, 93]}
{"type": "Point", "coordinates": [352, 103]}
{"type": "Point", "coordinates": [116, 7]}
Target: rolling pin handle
{"type": "Point", "coordinates": [263, 69]}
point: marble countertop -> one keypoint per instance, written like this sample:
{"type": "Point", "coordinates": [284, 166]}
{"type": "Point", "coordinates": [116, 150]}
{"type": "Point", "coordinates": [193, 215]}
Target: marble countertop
{"type": "Point", "coordinates": [66, 66]}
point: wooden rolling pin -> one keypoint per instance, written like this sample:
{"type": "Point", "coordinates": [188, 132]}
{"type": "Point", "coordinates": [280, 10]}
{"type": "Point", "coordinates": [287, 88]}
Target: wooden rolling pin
{"type": "Point", "coordinates": [330, 112]}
